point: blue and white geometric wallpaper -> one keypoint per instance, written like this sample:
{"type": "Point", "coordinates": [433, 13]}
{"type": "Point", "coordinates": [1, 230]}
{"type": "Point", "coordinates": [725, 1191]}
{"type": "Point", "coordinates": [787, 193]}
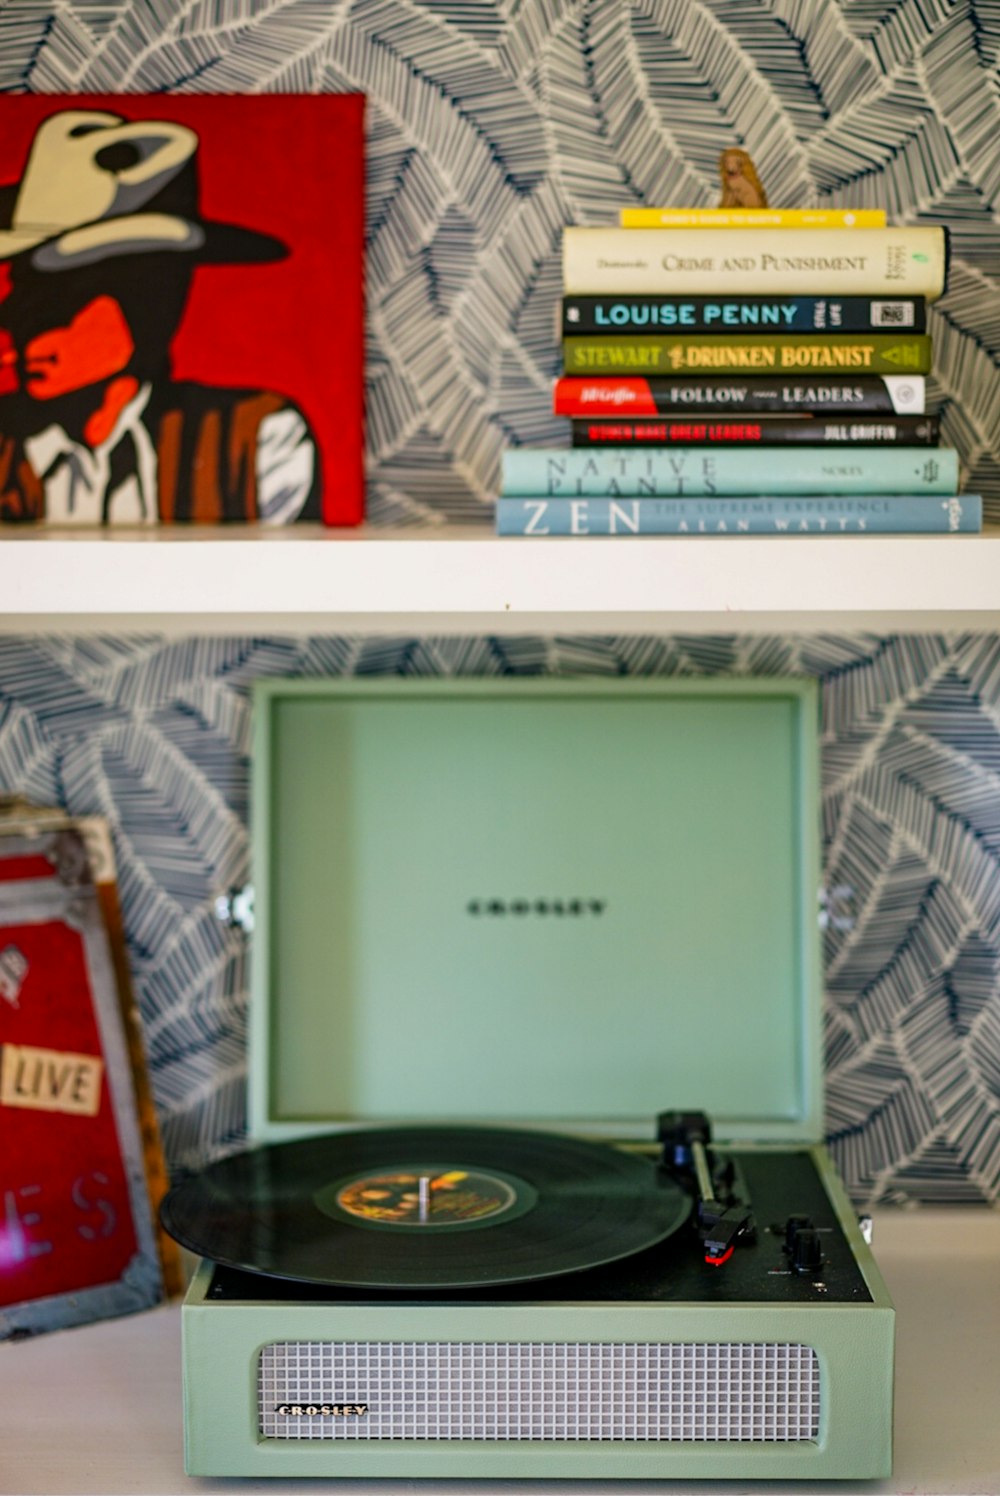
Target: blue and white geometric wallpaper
{"type": "Point", "coordinates": [493, 124]}
{"type": "Point", "coordinates": [155, 735]}
{"type": "Point", "coordinates": [490, 126]}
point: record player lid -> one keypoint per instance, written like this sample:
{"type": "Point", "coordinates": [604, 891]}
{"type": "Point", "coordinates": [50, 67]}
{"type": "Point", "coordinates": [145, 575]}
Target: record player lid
{"type": "Point", "coordinates": [566, 903]}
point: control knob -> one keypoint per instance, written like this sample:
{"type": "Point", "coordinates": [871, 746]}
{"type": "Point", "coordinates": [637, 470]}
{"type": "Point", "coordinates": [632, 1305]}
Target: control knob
{"type": "Point", "coordinates": [807, 1250]}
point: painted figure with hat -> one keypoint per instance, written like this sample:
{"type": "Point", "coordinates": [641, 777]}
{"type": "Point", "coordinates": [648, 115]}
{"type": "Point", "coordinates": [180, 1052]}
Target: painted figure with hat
{"type": "Point", "coordinates": [100, 240]}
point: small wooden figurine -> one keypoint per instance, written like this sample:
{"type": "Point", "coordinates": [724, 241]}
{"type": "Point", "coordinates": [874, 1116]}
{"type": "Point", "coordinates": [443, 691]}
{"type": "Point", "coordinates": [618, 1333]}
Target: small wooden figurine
{"type": "Point", "coordinates": [741, 186]}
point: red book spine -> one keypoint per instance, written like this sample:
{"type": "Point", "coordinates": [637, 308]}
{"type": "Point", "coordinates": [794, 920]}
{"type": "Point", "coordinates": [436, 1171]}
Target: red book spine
{"type": "Point", "coordinates": [604, 397]}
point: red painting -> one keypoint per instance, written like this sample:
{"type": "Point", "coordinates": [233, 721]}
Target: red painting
{"type": "Point", "coordinates": [181, 309]}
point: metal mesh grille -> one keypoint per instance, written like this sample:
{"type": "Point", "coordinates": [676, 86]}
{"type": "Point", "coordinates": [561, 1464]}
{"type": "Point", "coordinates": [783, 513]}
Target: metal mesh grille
{"type": "Point", "coordinates": [436, 1390]}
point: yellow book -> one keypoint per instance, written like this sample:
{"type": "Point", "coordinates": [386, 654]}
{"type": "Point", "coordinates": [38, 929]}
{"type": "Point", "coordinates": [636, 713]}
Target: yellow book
{"type": "Point", "coordinates": [752, 218]}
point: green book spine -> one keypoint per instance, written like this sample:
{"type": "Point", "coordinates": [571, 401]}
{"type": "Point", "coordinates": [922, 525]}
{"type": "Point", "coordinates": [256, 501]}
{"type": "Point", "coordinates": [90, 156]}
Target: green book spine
{"type": "Point", "coordinates": [886, 514]}
{"type": "Point", "coordinates": [667, 472]}
{"type": "Point", "coordinates": [725, 353]}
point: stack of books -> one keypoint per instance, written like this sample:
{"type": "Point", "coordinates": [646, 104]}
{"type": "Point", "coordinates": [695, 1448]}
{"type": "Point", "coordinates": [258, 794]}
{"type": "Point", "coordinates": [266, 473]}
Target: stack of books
{"type": "Point", "coordinates": [744, 372]}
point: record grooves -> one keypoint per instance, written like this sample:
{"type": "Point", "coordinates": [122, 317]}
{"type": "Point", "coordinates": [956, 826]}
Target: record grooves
{"type": "Point", "coordinates": [427, 1208]}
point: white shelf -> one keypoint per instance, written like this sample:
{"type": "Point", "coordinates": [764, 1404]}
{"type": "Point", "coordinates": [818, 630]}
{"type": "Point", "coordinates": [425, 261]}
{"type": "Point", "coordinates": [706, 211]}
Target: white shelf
{"type": "Point", "coordinates": [457, 580]}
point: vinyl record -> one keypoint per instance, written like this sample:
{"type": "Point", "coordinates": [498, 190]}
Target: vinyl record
{"type": "Point", "coordinates": [426, 1208]}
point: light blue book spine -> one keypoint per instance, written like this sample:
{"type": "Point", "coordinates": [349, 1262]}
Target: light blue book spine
{"type": "Point", "coordinates": [868, 514]}
{"type": "Point", "coordinates": [674, 472]}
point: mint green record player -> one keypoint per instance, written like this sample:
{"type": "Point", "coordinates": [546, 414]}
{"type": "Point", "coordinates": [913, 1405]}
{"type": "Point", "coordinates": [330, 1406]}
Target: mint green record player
{"type": "Point", "coordinates": [501, 927]}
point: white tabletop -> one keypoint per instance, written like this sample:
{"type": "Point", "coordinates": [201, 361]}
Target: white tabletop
{"type": "Point", "coordinates": [98, 1409]}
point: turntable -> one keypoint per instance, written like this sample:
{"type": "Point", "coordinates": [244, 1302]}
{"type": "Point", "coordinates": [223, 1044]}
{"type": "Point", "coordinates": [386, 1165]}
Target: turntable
{"type": "Point", "coordinates": [536, 1085]}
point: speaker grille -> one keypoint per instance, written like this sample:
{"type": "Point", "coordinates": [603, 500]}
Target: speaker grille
{"type": "Point", "coordinates": [624, 1392]}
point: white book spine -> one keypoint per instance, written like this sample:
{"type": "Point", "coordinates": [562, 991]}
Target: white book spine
{"type": "Point", "coordinates": [755, 262]}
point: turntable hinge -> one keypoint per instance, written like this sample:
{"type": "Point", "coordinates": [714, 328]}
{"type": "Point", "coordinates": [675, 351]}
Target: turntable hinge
{"type": "Point", "coordinates": [838, 907]}
{"type": "Point", "coordinates": [236, 908]}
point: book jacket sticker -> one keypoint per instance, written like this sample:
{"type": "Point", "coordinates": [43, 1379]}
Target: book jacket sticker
{"type": "Point", "coordinates": [170, 270]}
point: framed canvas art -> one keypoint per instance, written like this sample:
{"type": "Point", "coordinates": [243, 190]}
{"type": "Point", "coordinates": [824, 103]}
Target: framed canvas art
{"type": "Point", "coordinates": [181, 308]}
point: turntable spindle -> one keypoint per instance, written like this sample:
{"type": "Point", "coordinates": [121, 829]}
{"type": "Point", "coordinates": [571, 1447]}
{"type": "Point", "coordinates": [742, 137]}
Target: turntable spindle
{"type": "Point", "coordinates": [424, 1198]}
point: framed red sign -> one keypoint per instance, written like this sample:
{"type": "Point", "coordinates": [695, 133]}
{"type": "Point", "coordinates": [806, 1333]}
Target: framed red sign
{"type": "Point", "coordinates": [78, 1236]}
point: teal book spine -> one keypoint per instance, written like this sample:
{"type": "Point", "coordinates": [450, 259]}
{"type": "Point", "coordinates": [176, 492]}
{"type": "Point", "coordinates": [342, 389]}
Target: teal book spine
{"type": "Point", "coordinates": [772, 514]}
{"type": "Point", "coordinates": [677, 472]}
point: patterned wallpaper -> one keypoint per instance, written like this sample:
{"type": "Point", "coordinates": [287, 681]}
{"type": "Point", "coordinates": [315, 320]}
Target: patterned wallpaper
{"type": "Point", "coordinates": [155, 735]}
{"type": "Point", "coordinates": [491, 125]}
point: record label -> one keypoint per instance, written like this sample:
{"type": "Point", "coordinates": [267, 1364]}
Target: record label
{"type": "Point", "coordinates": [421, 1196]}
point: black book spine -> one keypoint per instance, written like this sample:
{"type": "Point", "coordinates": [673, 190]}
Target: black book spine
{"type": "Point", "coordinates": [761, 431]}
{"type": "Point", "coordinates": [745, 314]}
